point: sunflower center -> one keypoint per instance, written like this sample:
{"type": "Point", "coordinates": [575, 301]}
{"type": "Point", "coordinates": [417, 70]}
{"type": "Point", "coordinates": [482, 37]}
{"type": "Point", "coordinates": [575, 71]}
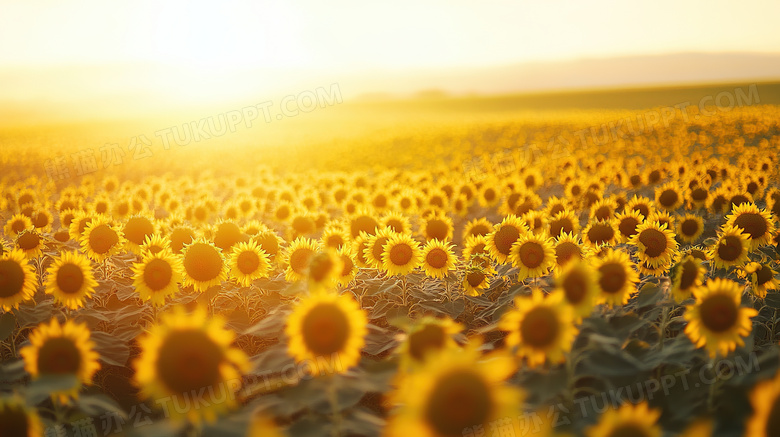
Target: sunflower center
{"type": "Point", "coordinates": [689, 227]}
{"type": "Point", "coordinates": [436, 258]}
{"type": "Point", "coordinates": [18, 226]}
{"type": "Point", "coordinates": [557, 227]}
{"type": "Point", "coordinates": [102, 239]}
{"type": "Point", "coordinates": [773, 420]}
{"type": "Point", "coordinates": [325, 329]}
{"type": "Point", "coordinates": [429, 338]}
{"type": "Point", "coordinates": [505, 237]}
{"type": "Point", "coordinates": [14, 421]}
{"type": "Point", "coordinates": [458, 401]}
{"type": "Point", "coordinates": [600, 233]}
{"type": "Point", "coordinates": [202, 262]}
{"type": "Point", "coordinates": [730, 248]}
{"type": "Point", "coordinates": [437, 229]}
{"type": "Point", "coordinates": [531, 254]}
{"type": "Point", "coordinates": [28, 241]}
{"type": "Point", "coordinates": [180, 237]}
{"type": "Point", "coordinates": [320, 266]}
{"type": "Point", "coordinates": [763, 275]}
{"type": "Point", "coordinates": [227, 235]}
{"type": "Point", "coordinates": [475, 278]}
{"type": "Point", "coordinates": [137, 228]}
{"type": "Point", "coordinates": [719, 313]}
{"type": "Point", "coordinates": [628, 430]}
{"type": "Point", "coordinates": [564, 252]}
{"type": "Point", "coordinates": [739, 199]}
{"type": "Point", "coordinates": [575, 287]}
{"type": "Point", "coordinates": [376, 251]}
{"type": "Point", "coordinates": [613, 277]}
{"type": "Point", "coordinates": [348, 265]}
{"type": "Point", "coordinates": [268, 243]}
{"type": "Point", "coordinates": [690, 271]}
{"type": "Point", "coordinates": [157, 274]}
{"type": "Point", "coordinates": [189, 360]}
{"type": "Point", "coordinates": [668, 198]}
{"type": "Point", "coordinates": [479, 229]}
{"type": "Point", "coordinates": [248, 262]}
{"type": "Point", "coordinates": [365, 224]}
{"type": "Point", "coordinates": [70, 278]}
{"type": "Point", "coordinates": [654, 242]}
{"type": "Point", "coordinates": [299, 259]}
{"type": "Point", "coordinates": [401, 254]}
{"type": "Point", "coordinates": [59, 356]}
{"type": "Point", "coordinates": [11, 278]}
{"type": "Point", "coordinates": [642, 208]}
{"type": "Point", "coordinates": [752, 223]}
{"type": "Point", "coordinates": [699, 194]}
{"type": "Point", "coordinates": [539, 327]}
{"type": "Point", "coordinates": [628, 225]}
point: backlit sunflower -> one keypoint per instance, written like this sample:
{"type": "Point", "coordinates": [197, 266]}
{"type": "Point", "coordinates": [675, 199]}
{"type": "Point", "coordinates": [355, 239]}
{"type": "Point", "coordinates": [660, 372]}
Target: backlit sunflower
{"type": "Point", "coordinates": [765, 399]}
{"type": "Point", "coordinates": [437, 226]}
{"type": "Point", "coordinates": [101, 239]}
{"type": "Point", "coordinates": [363, 221]}
{"type": "Point", "coordinates": [477, 226]}
{"type": "Point", "coordinates": [297, 257]}
{"type": "Point", "coordinates": [70, 279]}
{"type": "Point", "coordinates": [600, 233]}
{"type": "Point", "coordinates": [437, 259]}
{"type": "Point", "coordinates": [731, 248]}
{"type": "Point", "coordinates": [158, 276]}
{"type": "Point", "coordinates": [375, 246]}
{"type": "Point", "coordinates": [627, 222]}
{"type": "Point", "coordinates": [629, 420]}
{"type": "Point", "coordinates": [642, 204]}
{"type": "Point", "coordinates": [477, 274]}
{"type": "Point", "coordinates": [474, 244]}
{"type": "Point", "coordinates": [136, 230]}
{"type": "Point", "coordinates": [31, 243]}
{"type": "Point", "coordinates": [532, 255]}
{"type": "Point", "coordinates": [578, 283]}
{"type": "Point", "coordinates": [655, 244]}
{"type": "Point", "coordinates": [17, 279]}
{"type": "Point", "coordinates": [155, 243]}
{"type": "Point", "coordinates": [334, 237]}
{"type": "Point", "coordinates": [562, 223]}
{"type": "Point", "coordinates": [248, 262]}
{"type": "Point", "coordinates": [271, 243]}
{"type": "Point", "coordinates": [757, 223]}
{"type": "Point", "coordinates": [567, 248]}
{"type": "Point", "coordinates": [669, 196]}
{"type": "Point", "coordinates": [327, 326]}
{"type": "Point", "coordinates": [541, 328]}
{"type": "Point", "coordinates": [616, 277]}
{"type": "Point", "coordinates": [61, 350]}
{"type": "Point", "coordinates": [188, 353]}
{"type": "Point", "coordinates": [762, 278]}
{"type": "Point", "coordinates": [17, 419]}
{"type": "Point", "coordinates": [349, 266]}
{"type": "Point", "coordinates": [689, 228]}
{"type": "Point", "coordinates": [504, 235]}
{"type": "Point", "coordinates": [427, 336]}
{"type": "Point", "coordinates": [687, 275]}
{"type": "Point", "coordinates": [401, 255]}
{"type": "Point", "coordinates": [454, 393]}
{"type": "Point", "coordinates": [717, 321]}
{"type": "Point", "coordinates": [397, 222]}
{"type": "Point", "coordinates": [16, 224]}
{"type": "Point", "coordinates": [204, 265]}
{"type": "Point", "coordinates": [603, 209]}
{"type": "Point", "coordinates": [324, 270]}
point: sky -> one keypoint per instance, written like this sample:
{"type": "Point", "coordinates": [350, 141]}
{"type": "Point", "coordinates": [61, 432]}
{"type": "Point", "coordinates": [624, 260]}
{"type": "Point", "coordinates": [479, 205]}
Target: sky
{"type": "Point", "coordinates": [221, 47]}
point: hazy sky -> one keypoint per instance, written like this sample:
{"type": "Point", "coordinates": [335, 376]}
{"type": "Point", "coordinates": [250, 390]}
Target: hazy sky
{"type": "Point", "coordinates": [403, 34]}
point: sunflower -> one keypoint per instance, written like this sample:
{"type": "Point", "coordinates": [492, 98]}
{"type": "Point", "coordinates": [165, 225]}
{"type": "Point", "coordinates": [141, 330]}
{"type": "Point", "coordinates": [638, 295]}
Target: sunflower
{"type": "Point", "coordinates": [158, 276]}
{"type": "Point", "coordinates": [664, 219]}
{"type": "Point", "coordinates": [616, 277]}
{"type": "Point", "coordinates": [689, 228]}
{"type": "Point", "coordinates": [180, 236]}
{"type": "Point", "coordinates": [642, 204]}
{"type": "Point", "coordinates": [437, 226]}
{"type": "Point", "coordinates": [100, 239]}
{"type": "Point", "coordinates": [31, 243]}
{"type": "Point", "coordinates": [687, 275]}
{"type": "Point", "coordinates": [629, 420]}
{"type": "Point", "coordinates": [474, 244]}
{"type": "Point", "coordinates": [437, 258]}
{"type": "Point", "coordinates": [427, 336]}
{"type": "Point", "coordinates": [567, 248]}
{"type": "Point", "coordinates": [477, 274]}
{"type": "Point", "coordinates": [18, 420]}
{"type": "Point", "coordinates": [271, 243]}
{"type": "Point", "coordinates": [532, 255]}
{"type": "Point", "coordinates": [324, 270]}
{"type": "Point", "coordinates": [401, 255]}
{"type": "Point", "coordinates": [599, 233]}
{"type": "Point", "coordinates": [603, 210]}
{"type": "Point", "coordinates": [155, 243]}
{"type": "Point", "coordinates": [334, 237]}
{"type": "Point", "coordinates": [70, 279]}
{"type": "Point", "coordinates": [579, 285]}
{"type": "Point", "coordinates": [765, 399]}
{"type": "Point", "coordinates": [16, 225]}
{"type": "Point", "coordinates": [248, 262]}
{"type": "Point", "coordinates": [504, 235]}
{"type": "Point", "coordinates": [757, 223]}
{"type": "Point", "coordinates": [655, 244]}
{"type": "Point", "coordinates": [327, 326]}
{"type": "Point", "coordinates": [297, 258]}
{"type": "Point", "coordinates": [716, 321]}
{"type": "Point", "coordinates": [62, 350]}
{"type": "Point", "coordinates": [349, 269]}
{"type": "Point", "coordinates": [42, 220]}
{"type": "Point", "coordinates": [17, 279]}
{"type": "Point", "coordinates": [762, 278]}
{"type": "Point", "coordinates": [563, 222]}
{"type": "Point", "coordinates": [363, 221]}
{"type": "Point", "coordinates": [204, 265]}
{"type": "Point", "coordinates": [187, 353]}
{"type": "Point", "coordinates": [731, 248]}
{"type": "Point", "coordinates": [477, 226]}
{"type": "Point", "coordinates": [453, 393]}
{"type": "Point", "coordinates": [375, 246]}
{"type": "Point", "coordinates": [542, 328]}
{"type": "Point", "coordinates": [669, 196]}
{"type": "Point", "coordinates": [627, 222]}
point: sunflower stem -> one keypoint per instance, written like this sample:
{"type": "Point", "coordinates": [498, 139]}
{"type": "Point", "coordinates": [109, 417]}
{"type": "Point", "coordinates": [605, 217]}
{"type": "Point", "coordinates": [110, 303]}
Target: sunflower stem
{"type": "Point", "coordinates": [662, 328]}
{"type": "Point", "coordinates": [713, 388]}
{"type": "Point", "coordinates": [333, 398]}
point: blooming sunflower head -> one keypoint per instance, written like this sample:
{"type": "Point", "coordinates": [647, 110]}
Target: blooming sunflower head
{"type": "Point", "coordinates": [504, 235]}
{"type": "Point", "coordinates": [427, 336]}
{"type": "Point", "coordinates": [401, 255]}
{"type": "Point", "coordinates": [158, 276]}
{"type": "Point", "coordinates": [248, 262]}
{"type": "Point", "coordinates": [297, 257]}
{"type": "Point", "coordinates": [324, 269]}
{"type": "Point", "coordinates": [204, 265]}
{"type": "Point", "coordinates": [17, 279]}
{"type": "Point", "coordinates": [757, 223]}
{"type": "Point", "coordinates": [629, 420]}
{"type": "Point", "coordinates": [70, 279]}
{"type": "Point", "coordinates": [689, 228]}
{"type": "Point", "coordinates": [101, 239]}
{"type": "Point", "coordinates": [18, 419]}
{"type": "Point", "coordinates": [579, 285]}
{"type": "Point", "coordinates": [687, 275]}
{"type": "Point", "coordinates": [437, 259]}
{"type": "Point", "coordinates": [532, 255]}
{"type": "Point", "coordinates": [731, 248]}
{"type": "Point", "coordinates": [616, 277]}
{"type": "Point", "coordinates": [762, 278]}
{"type": "Point", "coordinates": [655, 244]}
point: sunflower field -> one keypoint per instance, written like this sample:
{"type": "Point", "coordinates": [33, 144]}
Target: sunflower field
{"type": "Point", "coordinates": [436, 279]}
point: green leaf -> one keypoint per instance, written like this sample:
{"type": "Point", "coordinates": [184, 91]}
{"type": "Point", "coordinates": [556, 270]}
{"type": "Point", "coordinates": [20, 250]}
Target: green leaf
{"type": "Point", "coordinates": [98, 404]}
{"type": "Point", "coordinates": [111, 351]}
{"type": "Point", "coordinates": [41, 388]}
{"type": "Point", "coordinates": [7, 325]}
